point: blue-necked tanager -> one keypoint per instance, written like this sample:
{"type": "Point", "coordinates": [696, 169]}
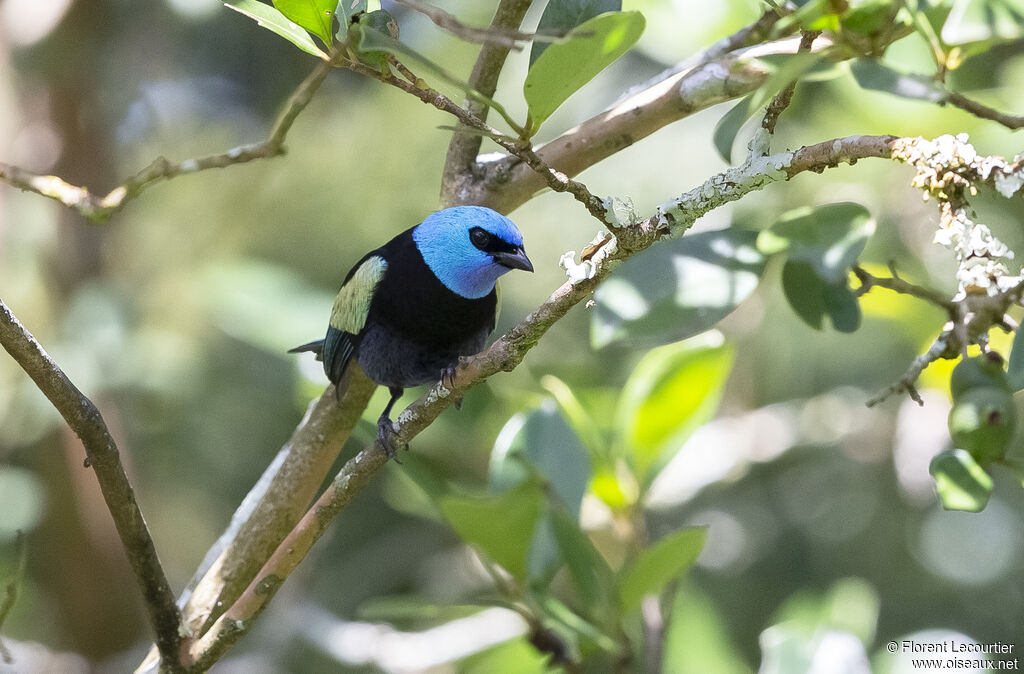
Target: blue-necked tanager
{"type": "Point", "coordinates": [408, 310]}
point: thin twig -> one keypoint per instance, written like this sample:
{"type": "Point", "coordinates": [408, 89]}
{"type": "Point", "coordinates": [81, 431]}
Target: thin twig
{"type": "Point", "coordinates": [897, 284]}
{"type": "Point", "coordinates": [498, 35]}
{"type": "Point", "coordinates": [983, 111]}
{"type": "Point", "coordinates": [782, 100]}
{"type": "Point", "coordinates": [463, 149]}
{"type": "Point", "coordinates": [555, 179]}
{"type": "Point", "coordinates": [97, 209]}
{"type": "Point", "coordinates": [101, 453]}
{"type": "Point", "coordinates": [941, 348]}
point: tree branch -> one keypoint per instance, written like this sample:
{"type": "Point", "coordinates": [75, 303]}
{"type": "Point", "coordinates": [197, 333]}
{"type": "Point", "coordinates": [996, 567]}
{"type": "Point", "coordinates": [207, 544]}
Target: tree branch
{"type": "Point", "coordinates": [671, 219]}
{"type": "Point", "coordinates": [504, 36]}
{"type": "Point", "coordinates": [509, 182]}
{"type": "Point", "coordinates": [102, 454]}
{"type": "Point", "coordinates": [896, 284]}
{"type": "Point", "coordinates": [983, 111]}
{"type": "Point", "coordinates": [554, 178]}
{"type": "Point", "coordinates": [308, 456]}
{"type": "Point", "coordinates": [98, 209]}
{"type": "Point", "coordinates": [460, 161]}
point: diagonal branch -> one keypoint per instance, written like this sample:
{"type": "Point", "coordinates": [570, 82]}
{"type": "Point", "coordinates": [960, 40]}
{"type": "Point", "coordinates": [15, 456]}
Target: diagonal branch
{"type": "Point", "coordinates": [464, 147]}
{"type": "Point", "coordinates": [101, 453]}
{"type": "Point", "coordinates": [671, 219]}
{"type": "Point", "coordinates": [983, 111]}
{"type": "Point", "coordinates": [504, 36]}
{"type": "Point", "coordinates": [555, 179]}
{"type": "Point", "coordinates": [98, 209]}
{"type": "Point", "coordinates": [509, 182]}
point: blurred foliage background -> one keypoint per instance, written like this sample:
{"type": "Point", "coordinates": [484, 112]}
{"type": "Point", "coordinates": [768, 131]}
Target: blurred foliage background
{"type": "Point", "coordinates": [175, 318]}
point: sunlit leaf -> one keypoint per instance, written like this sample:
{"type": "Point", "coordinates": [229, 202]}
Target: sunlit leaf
{"type": "Point", "coordinates": [676, 289]}
{"type": "Point", "coordinates": [1015, 368]}
{"type": "Point", "coordinates": [960, 482]}
{"type": "Point", "coordinates": [563, 15]}
{"type": "Point", "coordinates": [516, 656]}
{"type": "Point", "coordinates": [977, 20]}
{"type": "Point", "coordinates": [411, 607]}
{"type": "Point", "coordinates": [697, 638]}
{"type": "Point", "coordinates": [870, 74]}
{"type": "Point", "coordinates": [829, 237]}
{"type": "Point", "coordinates": [316, 16]}
{"type": "Point", "coordinates": [566, 66]}
{"type": "Point", "coordinates": [500, 526]}
{"type": "Point", "coordinates": [673, 390]}
{"type": "Point", "coordinates": [274, 21]}
{"type": "Point", "coordinates": [658, 564]}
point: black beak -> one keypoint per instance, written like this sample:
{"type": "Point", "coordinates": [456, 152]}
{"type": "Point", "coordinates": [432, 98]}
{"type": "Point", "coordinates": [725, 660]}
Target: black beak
{"type": "Point", "coordinates": [515, 259]}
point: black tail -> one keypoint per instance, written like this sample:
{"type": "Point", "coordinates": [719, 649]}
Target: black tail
{"type": "Point", "coordinates": [316, 347]}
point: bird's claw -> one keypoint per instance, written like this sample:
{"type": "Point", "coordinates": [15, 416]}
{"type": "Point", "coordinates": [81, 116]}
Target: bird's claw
{"type": "Point", "coordinates": [448, 376]}
{"type": "Point", "coordinates": [388, 438]}
{"type": "Point", "coordinates": [448, 381]}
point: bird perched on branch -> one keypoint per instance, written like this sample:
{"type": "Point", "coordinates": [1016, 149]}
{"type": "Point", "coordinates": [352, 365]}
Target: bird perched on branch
{"type": "Point", "coordinates": [408, 310]}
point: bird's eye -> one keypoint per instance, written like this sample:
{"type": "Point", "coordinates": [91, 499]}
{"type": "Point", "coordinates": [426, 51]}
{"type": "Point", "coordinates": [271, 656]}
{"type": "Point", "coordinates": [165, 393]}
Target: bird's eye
{"type": "Point", "coordinates": [479, 237]}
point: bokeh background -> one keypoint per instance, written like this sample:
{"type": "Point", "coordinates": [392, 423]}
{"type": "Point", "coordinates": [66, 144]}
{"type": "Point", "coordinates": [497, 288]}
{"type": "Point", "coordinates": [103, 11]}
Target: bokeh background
{"type": "Point", "coordinates": [175, 318]}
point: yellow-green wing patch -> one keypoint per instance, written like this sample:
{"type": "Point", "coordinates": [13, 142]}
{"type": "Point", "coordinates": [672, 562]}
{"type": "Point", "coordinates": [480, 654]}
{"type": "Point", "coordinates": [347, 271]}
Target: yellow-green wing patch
{"type": "Point", "coordinates": [353, 301]}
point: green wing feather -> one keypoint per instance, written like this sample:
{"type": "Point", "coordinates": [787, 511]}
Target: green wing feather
{"type": "Point", "coordinates": [352, 305]}
{"type": "Point", "coordinates": [348, 317]}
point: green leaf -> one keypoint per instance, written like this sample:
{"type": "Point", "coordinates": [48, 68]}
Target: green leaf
{"type": "Point", "coordinates": [729, 125]}
{"type": "Point", "coordinates": [566, 66]}
{"type": "Point", "coordinates": [829, 237]}
{"type": "Point", "coordinates": [785, 68]}
{"type": "Point", "coordinates": [842, 307]}
{"type": "Point", "coordinates": [316, 16]}
{"type": "Point", "coordinates": [276, 22]}
{"type": "Point", "coordinates": [804, 291]}
{"type": "Point", "coordinates": [676, 289]}
{"type": "Point", "coordinates": [697, 639]}
{"type": "Point", "coordinates": [1015, 368]}
{"type": "Point", "coordinates": [960, 482]}
{"type": "Point", "coordinates": [516, 656]}
{"type": "Point", "coordinates": [565, 617]}
{"type": "Point", "coordinates": [870, 17]}
{"type": "Point", "coordinates": [977, 20]}
{"type": "Point", "coordinates": [871, 74]}
{"type": "Point", "coordinates": [673, 390]}
{"type": "Point", "coordinates": [561, 16]}
{"type": "Point", "coordinates": [546, 446]}
{"type": "Point", "coordinates": [658, 564]}
{"type": "Point", "coordinates": [589, 571]}
{"type": "Point", "coordinates": [500, 526]}
{"type": "Point", "coordinates": [812, 297]}
{"type": "Point", "coordinates": [370, 41]}
{"type": "Point", "coordinates": [347, 9]}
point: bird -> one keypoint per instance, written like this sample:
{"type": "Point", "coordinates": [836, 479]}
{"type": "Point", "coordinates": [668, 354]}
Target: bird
{"type": "Point", "coordinates": [407, 311]}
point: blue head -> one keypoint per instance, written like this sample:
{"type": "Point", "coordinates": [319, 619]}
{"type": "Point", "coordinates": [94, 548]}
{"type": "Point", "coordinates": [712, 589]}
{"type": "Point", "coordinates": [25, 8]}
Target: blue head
{"type": "Point", "coordinates": [469, 247]}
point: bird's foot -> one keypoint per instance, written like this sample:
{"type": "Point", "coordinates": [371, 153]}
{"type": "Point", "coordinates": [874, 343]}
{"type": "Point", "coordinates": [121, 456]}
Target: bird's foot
{"type": "Point", "coordinates": [448, 381]}
{"type": "Point", "coordinates": [388, 438]}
